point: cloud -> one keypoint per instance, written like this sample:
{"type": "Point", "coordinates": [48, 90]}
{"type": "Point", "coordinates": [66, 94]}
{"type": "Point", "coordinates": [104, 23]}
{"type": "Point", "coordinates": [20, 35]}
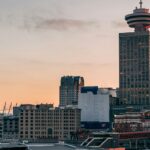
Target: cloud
{"type": "Point", "coordinates": [36, 22]}
{"type": "Point", "coordinates": [43, 19]}
{"type": "Point", "coordinates": [119, 24]}
{"type": "Point", "coordinates": [60, 24]}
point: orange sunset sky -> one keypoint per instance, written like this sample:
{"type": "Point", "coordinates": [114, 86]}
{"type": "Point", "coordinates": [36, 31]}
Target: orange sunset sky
{"type": "Point", "coordinates": [42, 40]}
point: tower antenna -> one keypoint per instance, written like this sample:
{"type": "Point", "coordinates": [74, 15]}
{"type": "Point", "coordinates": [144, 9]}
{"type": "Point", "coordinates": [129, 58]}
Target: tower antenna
{"type": "Point", "coordinates": [141, 3]}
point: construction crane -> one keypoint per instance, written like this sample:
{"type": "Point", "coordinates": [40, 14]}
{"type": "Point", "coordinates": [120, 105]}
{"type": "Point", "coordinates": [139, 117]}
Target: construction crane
{"type": "Point", "coordinates": [4, 108]}
{"type": "Point", "coordinates": [9, 108]}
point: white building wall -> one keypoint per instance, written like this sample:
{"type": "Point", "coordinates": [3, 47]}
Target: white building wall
{"type": "Point", "coordinates": [94, 107]}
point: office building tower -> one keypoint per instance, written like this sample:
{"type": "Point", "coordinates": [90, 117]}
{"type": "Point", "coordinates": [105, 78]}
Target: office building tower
{"type": "Point", "coordinates": [69, 90]}
{"type": "Point", "coordinates": [134, 60]}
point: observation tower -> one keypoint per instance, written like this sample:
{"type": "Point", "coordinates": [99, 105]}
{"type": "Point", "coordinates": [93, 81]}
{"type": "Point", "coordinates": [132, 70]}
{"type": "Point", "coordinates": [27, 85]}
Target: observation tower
{"type": "Point", "coordinates": [139, 19]}
{"type": "Point", "coordinates": [134, 61]}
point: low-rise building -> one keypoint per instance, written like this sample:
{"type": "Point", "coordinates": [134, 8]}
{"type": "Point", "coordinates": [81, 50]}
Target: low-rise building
{"type": "Point", "coordinates": [128, 122]}
{"type": "Point", "coordinates": [132, 122]}
{"type": "Point", "coordinates": [44, 121]}
{"type": "Point", "coordinates": [1, 125]}
{"type": "Point", "coordinates": [94, 103]}
{"type": "Point", "coordinates": [10, 127]}
{"type": "Point", "coordinates": [146, 120]}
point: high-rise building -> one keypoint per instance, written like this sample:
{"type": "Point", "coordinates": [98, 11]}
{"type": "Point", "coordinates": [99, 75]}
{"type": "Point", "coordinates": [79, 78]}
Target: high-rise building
{"type": "Point", "coordinates": [134, 60]}
{"type": "Point", "coordinates": [69, 90]}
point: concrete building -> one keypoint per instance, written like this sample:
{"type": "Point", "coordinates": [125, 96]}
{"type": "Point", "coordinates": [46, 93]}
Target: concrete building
{"type": "Point", "coordinates": [94, 103]}
{"type": "Point", "coordinates": [134, 60]}
{"type": "Point", "coordinates": [10, 127]}
{"type": "Point", "coordinates": [46, 122]}
{"type": "Point", "coordinates": [69, 90]}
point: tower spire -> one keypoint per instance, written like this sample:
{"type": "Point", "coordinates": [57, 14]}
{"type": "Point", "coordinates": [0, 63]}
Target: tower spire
{"type": "Point", "coordinates": [139, 19]}
{"type": "Point", "coordinates": [141, 3]}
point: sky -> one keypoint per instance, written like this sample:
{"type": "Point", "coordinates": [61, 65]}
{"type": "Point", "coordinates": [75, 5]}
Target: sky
{"type": "Point", "coordinates": [42, 40]}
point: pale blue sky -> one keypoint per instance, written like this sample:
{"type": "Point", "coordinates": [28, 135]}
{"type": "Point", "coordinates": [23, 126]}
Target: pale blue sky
{"type": "Point", "coordinates": [41, 40]}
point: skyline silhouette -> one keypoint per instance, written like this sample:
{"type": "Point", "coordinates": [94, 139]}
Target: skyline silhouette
{"type": "Point", "coordinates": [44, 40]}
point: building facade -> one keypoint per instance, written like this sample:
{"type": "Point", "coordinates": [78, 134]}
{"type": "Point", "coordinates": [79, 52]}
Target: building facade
{"type": "Point", "coordinates": [46, 122]}
{"type": "Point", "coordinates": [134, 60]}
{"type": "Point", "coordinates": [128, 122]}
{"type": "Point", "coordinates": [10, 127]}
{"type": "Point", "coordinates": [1, 125]}
{"type": "Point", "coordinates": [94, 103]}
{"type": "Point", "coordinates": [132, 121]}
{"type": "Point", "coordinates": [69, 90]}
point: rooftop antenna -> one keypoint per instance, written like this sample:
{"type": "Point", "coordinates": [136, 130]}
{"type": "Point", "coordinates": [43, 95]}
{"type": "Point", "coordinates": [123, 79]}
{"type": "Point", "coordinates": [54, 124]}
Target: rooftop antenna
{"type": "Point", "coordinates": [141, 3]}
